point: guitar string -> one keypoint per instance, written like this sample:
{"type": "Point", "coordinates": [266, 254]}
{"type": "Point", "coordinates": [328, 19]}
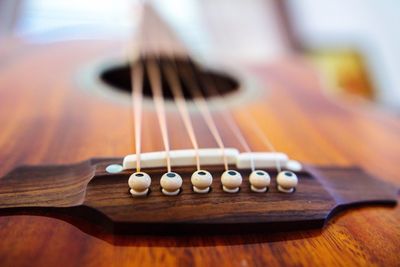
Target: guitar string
{"type": "Point", "coordinates": [197, 95]}
{"type": "Point", "coordinates": [176, 89]}
{"type": "Point", "coordinates": [202, 105]}
{"type": "Point", "coordinates": [154, 76]}
{"type": "Point", "coordinates": [158, 98]}
{"type": "Point", "coordinates": [211, 85]}
{"type": "Point", "coordinates": [136, 76]}
{"type": "Point", "coordinates": [137, 98]}
{"type": "Point", "coordinates": [263, 137]}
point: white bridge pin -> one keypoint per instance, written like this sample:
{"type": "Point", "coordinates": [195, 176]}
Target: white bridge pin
{"type": "Point", "coordinates": [171, 183]}
{"type": "Point", "coordinates": [287, 181]}
{"type": "Point", "coordinates": [259, 181]}
{"type": "Point", "coordinates": [139, 182]}
{"type": "Point", "coordinates": [231, 181]}
{"type": "Point", "coordinates": [201, 181]}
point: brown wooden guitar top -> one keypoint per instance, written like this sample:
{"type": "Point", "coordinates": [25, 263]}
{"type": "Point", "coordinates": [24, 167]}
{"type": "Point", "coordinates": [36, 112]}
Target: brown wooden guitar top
{"type": "Point", "coordinates": [47, 118]}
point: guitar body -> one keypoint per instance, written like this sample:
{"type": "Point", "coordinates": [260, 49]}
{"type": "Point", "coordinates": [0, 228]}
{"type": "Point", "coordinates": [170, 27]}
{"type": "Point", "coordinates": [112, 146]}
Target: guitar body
{"type": "Point", "coordinates": [50, 113]}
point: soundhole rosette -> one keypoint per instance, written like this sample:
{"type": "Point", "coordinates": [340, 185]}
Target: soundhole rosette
{"type": "Point", "coordinates": [110, 78]}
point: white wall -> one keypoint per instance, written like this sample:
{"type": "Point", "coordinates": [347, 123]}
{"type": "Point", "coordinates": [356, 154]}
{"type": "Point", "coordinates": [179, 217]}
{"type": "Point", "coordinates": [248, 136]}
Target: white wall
{"type": "Point", "coordinates": [372, 26]}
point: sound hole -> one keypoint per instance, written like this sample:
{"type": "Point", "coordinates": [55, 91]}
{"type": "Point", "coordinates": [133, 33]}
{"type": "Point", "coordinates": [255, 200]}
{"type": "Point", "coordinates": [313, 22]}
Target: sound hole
{"type": "Point", "coordinates": [119, 78]}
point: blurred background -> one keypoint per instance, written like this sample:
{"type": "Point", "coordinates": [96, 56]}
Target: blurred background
{"type": "Point", "coordinates": [354, 43]}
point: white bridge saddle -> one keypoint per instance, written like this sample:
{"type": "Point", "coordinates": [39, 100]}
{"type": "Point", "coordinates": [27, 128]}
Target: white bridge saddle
{"type": "Point", "coordinates": [213, 156]}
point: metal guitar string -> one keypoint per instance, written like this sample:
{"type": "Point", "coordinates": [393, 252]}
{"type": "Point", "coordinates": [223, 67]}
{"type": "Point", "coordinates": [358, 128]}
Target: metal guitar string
{"type": "Point", "coordinates": [155, 81]}
{"type": "Point", "coordinates": [171, 72]}
{"type": "Point", "coordinates": [210, 84]}
{"type": "Point", "coordinates": [202, 105]}
{"type": "Point", "coordinates": [137, 98]}
{"type": "Point", "coordinates": [193, 85]}
{"type": "Point", "coordinates": [264, 139]}
{"type": "Point", "coordinates": [177, 92]}
{"type": "Point", "coordinates": [176, 89]}
{"type": "Point", "coordinates": [136, 75]}
{"type": "Point", "coordinates": [255, 128]}
{"type": "Point", "coordinates": [154, 75]}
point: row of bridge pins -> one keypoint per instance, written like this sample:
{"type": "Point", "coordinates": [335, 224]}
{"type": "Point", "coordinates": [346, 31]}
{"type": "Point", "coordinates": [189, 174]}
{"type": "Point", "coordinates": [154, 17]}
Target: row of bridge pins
{"type": "Point", "coordinates": [171, 182]}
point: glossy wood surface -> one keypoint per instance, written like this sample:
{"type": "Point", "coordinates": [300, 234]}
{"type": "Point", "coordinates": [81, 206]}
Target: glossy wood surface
{"type": "Point", "coordinates": [46, 117]}
{"type": "Point", "coordinates": [85, 191]}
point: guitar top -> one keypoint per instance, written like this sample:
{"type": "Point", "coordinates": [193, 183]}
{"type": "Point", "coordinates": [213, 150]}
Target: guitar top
{"type": "Point", "coordinates": [58, 111]}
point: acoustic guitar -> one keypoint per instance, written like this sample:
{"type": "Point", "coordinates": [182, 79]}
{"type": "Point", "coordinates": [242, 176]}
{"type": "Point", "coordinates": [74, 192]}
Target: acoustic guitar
{"type": "Point", "coordinates": [162, 158]}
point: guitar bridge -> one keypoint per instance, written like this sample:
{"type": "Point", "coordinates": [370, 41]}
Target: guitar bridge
{"type": "Point", "coordinates": [85, 191]}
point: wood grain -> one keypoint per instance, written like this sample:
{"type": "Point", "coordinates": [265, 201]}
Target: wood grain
{"type": "Point", "coordinates": [47, 118]}
{"type": "Point", "coordinates": [85, 191]}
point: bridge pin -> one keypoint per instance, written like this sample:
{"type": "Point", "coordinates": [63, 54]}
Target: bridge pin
{"type": "Point", "coordinates": [139, 182]}
{"type": "Point", "coordinates": [171, 183]}
{"type": "Point", "coordinates": [287, 181]}
{"type": "Point", "coordinates": [231, 181]}
{"type": "Point", "coordinates": [259, 181]}
{"type": "Point", "coordinates": [201, 181]}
